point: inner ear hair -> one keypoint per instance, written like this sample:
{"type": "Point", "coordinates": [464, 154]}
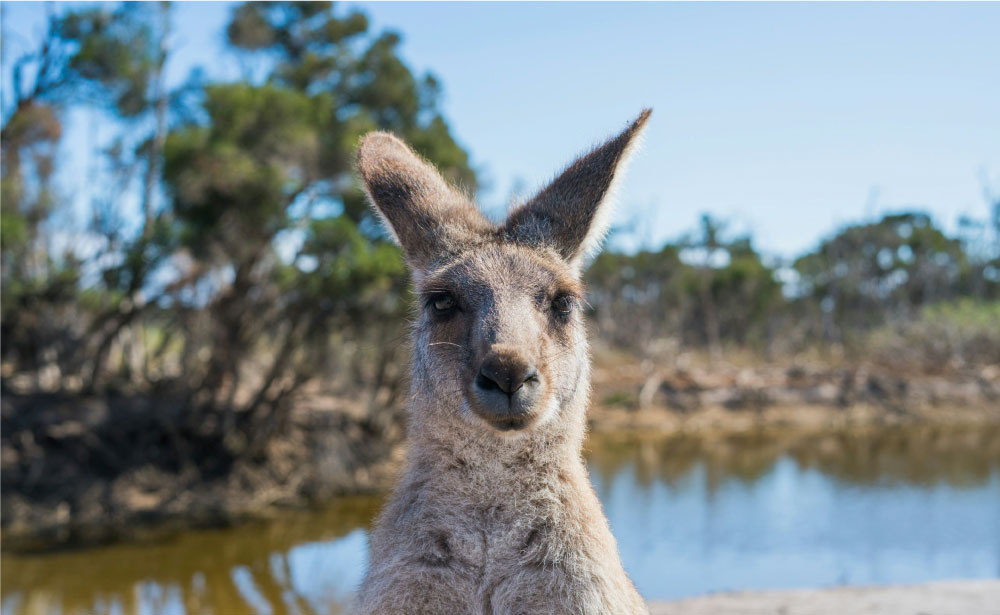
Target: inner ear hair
{"type": "Point", "coordinates": [428, 217]}
{"type": "Point", "coordinates": [573, 213]}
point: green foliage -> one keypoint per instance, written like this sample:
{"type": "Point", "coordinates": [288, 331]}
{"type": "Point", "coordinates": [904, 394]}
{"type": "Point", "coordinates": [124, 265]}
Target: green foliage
{"type": "Point", "coordinates": [311, 43]}
{"type": "Point", "coordinates": [629, 295]}
{"type": "Point", "coordinates": [624, 399]}
{"type": "Point", "coordinates": [316, 52]}
{"type": "Point", "coordinates": [29, 139]}
{"type": "Point", "coordinates": [747, 295]}
{"type": "Point", "coordinates": [960, 333]}
{"type": "Point", "coordinates": [966, 316]}
{"type": "Point", "coordinates": [27, 156]}
{"type": "Point", "coordinates": [259, 150]}
{"type": "Point", "coordinates": [678, 292]}
{"type": "Point", "coordinates": [710, 290]}
{"type": "Point", "coordinates": [118, 50]}
{"type": "Point", "coordinates": [893, 266]}
{"type": "Point", "coordinates": [13, 230]}
{"type": "Point", "coordinates": [352, 275]}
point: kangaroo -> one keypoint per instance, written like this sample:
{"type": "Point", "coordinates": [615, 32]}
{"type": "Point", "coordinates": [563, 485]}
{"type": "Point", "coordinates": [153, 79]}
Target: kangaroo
{"type": "Point", "coordinates": [495, 513]}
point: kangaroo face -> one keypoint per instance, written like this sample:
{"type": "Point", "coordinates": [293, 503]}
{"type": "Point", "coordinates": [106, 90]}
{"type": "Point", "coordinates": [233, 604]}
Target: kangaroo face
{"type": "Point", "coordinates": [503, 326]}
{"type": "Point", "coordinates": [499, 338]}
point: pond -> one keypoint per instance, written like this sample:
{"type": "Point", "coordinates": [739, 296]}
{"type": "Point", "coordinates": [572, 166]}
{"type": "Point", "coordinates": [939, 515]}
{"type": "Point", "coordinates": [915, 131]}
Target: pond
{"type": "Point", "coordinates": [692, 516]}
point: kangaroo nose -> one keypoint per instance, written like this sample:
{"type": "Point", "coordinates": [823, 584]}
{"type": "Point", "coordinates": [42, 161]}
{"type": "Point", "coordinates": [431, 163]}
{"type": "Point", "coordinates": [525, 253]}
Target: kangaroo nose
{"type": "Point", "coordinates": [505, 373]}
{"type": "Point", "coordinates": [507, 389]}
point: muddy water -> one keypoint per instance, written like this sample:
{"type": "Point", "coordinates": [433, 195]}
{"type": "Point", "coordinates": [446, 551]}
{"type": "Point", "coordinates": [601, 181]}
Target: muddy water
{"type": "Point", "coordinates": [691, 516]}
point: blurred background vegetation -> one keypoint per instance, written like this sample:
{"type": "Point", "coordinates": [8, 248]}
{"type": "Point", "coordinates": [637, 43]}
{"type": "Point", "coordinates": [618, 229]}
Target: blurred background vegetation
{"type": "Point", "coordinates": [261, 280]}
{"type": "Point", "coordinates": [197, 300]}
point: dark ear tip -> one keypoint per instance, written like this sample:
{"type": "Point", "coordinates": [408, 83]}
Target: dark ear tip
{"type": "Point", "coordinates": [640, 121]}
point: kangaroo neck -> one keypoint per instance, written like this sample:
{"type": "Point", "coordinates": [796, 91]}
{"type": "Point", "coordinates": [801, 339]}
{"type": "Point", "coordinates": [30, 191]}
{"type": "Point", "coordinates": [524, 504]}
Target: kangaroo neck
{"type": "Point", "coordinates": [473, 456]}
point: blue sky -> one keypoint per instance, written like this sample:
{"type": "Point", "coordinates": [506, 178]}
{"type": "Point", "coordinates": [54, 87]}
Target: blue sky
{"type": "Point", "coordinates": [788, 119]}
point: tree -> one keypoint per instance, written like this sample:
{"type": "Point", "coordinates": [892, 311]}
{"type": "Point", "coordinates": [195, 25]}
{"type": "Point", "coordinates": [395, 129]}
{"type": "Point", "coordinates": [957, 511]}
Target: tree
{"type": "Point", "coordinates": [264, 267]}
{"type": "Point", "coordinates": [121, 54]}
{"type": "Point", "coordinates": [29, 138]}
{"type": "Point", "coordinates": [701, 291]}
{"type": "Point", "coordinates": [638, 299]}
{"type": "Point", "coordinates": [707, 246]}
{"type": "Point", "coordinates": [868, 273]}
{"type": "Point", "coordinates": [117, 65]}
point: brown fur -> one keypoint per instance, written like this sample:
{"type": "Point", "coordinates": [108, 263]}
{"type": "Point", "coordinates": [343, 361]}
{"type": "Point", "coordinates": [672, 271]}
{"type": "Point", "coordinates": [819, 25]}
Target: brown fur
{"type": "Point", "coordinates": [495, 513]}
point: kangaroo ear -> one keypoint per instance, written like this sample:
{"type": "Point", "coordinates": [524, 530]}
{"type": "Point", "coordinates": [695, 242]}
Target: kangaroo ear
{"type": "Point", "coordinates": [573, 213]}
{"type": "Point", "coordinates": [428, 218]}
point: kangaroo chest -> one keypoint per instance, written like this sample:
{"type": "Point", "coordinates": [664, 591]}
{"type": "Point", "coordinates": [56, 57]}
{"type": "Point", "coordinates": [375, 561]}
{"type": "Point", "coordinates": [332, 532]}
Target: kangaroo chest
{"type": "Point", "coordinates": [474, 537]}
{"type": "Point", "coordinates": [499, 546]}
{"type": "Point", "coordinates": [487, 551]}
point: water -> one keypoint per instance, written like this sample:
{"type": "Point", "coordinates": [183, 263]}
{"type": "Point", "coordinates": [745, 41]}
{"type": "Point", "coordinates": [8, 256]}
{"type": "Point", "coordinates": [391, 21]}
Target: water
{"type": "Point", "coordinates": [691, 516]}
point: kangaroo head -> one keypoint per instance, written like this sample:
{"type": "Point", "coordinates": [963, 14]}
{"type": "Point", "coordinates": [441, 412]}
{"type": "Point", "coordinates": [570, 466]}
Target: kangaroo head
{"type": "Point", "coordinates": [499, 335]}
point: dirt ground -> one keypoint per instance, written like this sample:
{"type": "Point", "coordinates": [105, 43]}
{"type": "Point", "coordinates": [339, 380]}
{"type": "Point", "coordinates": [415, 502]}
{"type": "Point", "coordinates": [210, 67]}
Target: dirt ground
{"type": "Point", "coordinates": [695, 397]}
{"type": "Point", "coordinates": [941, 598]}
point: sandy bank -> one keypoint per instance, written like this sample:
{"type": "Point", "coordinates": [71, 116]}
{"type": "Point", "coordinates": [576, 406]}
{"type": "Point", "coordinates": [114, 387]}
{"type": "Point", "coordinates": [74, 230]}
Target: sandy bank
{"type": "Point", "coordinates": [940, 598]}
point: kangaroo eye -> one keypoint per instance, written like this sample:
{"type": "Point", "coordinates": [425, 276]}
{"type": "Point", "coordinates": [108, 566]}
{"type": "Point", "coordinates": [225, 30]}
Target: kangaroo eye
{"type": "Point", "coordinates": [443, 303]}
{"type": "Point", "coordinates": [563, 304]}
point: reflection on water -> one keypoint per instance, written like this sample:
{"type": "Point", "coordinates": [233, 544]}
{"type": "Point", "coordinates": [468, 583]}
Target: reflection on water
{"type": "Point", "coordinates": [303, 562]}
{"type": "Point", "coordinates": [776, 511]}
{"type": "Point", "coordinates": [691, 516]}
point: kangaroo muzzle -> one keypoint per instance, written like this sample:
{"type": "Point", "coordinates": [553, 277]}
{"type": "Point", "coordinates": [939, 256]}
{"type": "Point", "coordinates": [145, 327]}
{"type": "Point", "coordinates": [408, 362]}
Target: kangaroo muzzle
{"type": "Point", "coordinates": [506, 390]}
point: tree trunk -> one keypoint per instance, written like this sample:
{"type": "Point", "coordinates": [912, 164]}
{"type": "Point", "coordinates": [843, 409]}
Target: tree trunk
{"type": "Point", "coordinates": [710, 316]}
